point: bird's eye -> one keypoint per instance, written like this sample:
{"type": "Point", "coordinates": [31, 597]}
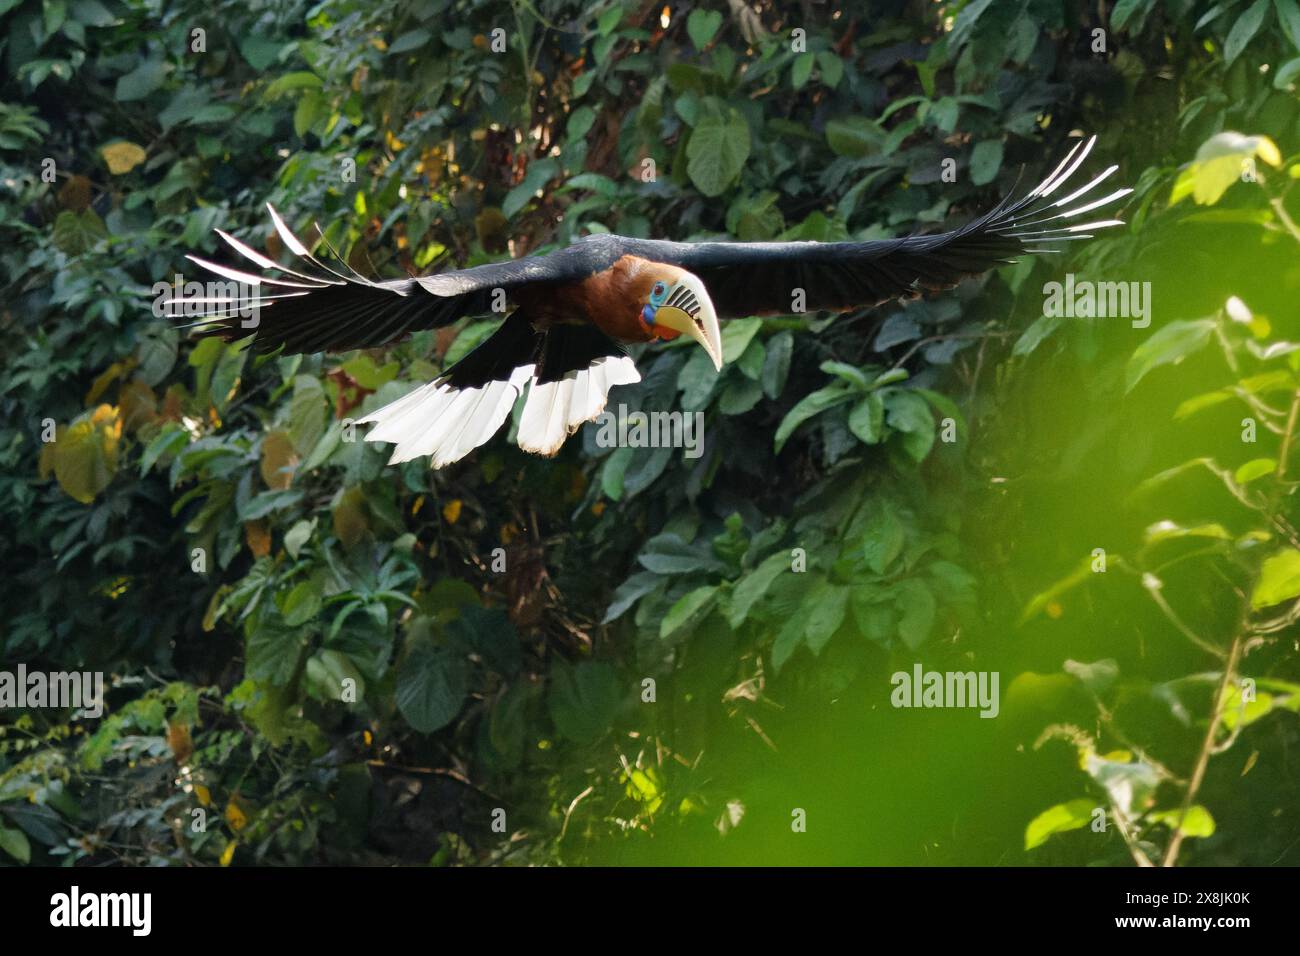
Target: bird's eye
{"type": "Point", "coordinates": [659, 288]}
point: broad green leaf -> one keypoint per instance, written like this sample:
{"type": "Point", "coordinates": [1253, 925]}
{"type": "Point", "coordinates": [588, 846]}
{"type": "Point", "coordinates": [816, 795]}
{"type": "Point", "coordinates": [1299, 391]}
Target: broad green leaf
{"type": "Point", "coordinates": [854, 136]}
{"type": "Point", "coordinates": [801, 70]}
{"type": "Point", "coordinates": [298, 535]}
{"type": "Point", "coordinates": [156, 350]}
{"type": "Point", "coordinates": [1196, 823]}
{"type": "Point", "coordinates": [867, 420]}
{"type": "Point", "coordinates": [985, 161]}
{"type": "Point", "coordinates": [260, 50]}
{"type": "Point", "coordinates": [739, 397]}
{"type": "Point", "coordinates": [168, 441]}
{"type": "Point", "coordinates": [832, 68]}
{"type": "Point", "coordinates": [431, 686]}
{"type": "Point", "coordinates": [1287, 74]}
{"type": "Point", "coordinates": [306, 413]}
{"type": "Point", "coordinates": [469, 339]}
{"type": "Point", "coordinates": [1240, 712]}
{"type": "Point", "coordinates": [1256, 468]}
{"type": "Point", "coordinates": [1038, 331]}
{"type": "Point", "coordinates": [1243, 30]}
{"type": "Point", "coordinates": [687, 611]}
{"type": "Point", "coordinates": [965, 22]}
{"type": "Point", "coordinates": [750, 588]}
{"type": "Point", "coordinates": [810, 406]}
{"type": "Point", "coordinates": [271, 649]}
{"type": "Point", "coordinates": [916, 607]}
{"type": "Point", "coordinates": [823, 611]}
{"type": "Point", "coordinates": [702, 25]}
{"type": "Point", "coordinates": [717, 150]}
{"type": "Point", "coordinates": [1219, 163]}
{"type": "Point", "coordinates": [1288, 14]}
{"type": "Point", "coordinates": [295, 82]}
{"type": "Point", "coordinates": [1125, 11]}
{"type": "Point", "coordinates": [14, 842]}
{"type": "Point", "coordinates": [1168, 346]}
{"type": "Point", "coordinates": [1067, 583]}
{"type": "Point", "coordinates": [1131, 784]}
{"type": "Point", "coordinates": [1073, 815]}
{"type": "Point", "coordinates": [884, 539]}
{"type": "Point", "coordinates": [776, 364]}
{"type": "Point", "coordinates": [326, 672]}
{"type": "Point", "coordinates": [410, 40]}
{"type": "Point", "coordinates": [369, 375]}
{"type": "Point", "coordinates": [736, 337]}
{"type": "Point", "coordinates": [637, 586]}
{"type": "Point", "coordinates": [488, 633]}
{"type": "Point", "coordinates": [787, 641]}
{"type": "Point", "coordinates": [1279, 579]}
{"type": "Point", "coordinates": [141, 81]}
{"type": "Point", "coordinates": [909, 413]}
{"type": "Point", "coordinates": [669, 554]}
{"type": "Point", "coordinates": [583, 699]}
{"type": "Point", "coordinates": [1097, 677]}
{"type": "Point", "coordinates": [302, 604]}
{"type": "Point", "coordinates": [540, 172]}
{"type": "Point", "coordinates": [1169, 530]}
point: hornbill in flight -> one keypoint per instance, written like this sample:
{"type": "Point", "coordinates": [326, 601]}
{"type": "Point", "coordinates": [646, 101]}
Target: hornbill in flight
{"type": "Point", "coordinates": [576, 308]}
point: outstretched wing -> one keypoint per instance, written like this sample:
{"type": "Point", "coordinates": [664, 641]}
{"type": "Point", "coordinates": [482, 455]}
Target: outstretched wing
{"type": "Point", "coordinates": [316, 308]}
{"type": "Point", "coordinates": [759, 278]}
{"type": "Point", "coordinates": [568, 369]}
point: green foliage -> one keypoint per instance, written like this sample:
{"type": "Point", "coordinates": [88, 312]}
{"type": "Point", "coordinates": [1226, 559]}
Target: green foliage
{"type": "Point", "coordinates": [323, 654]}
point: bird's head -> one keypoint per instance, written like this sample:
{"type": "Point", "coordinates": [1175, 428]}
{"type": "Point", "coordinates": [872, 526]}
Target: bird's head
{"type": "Point", "coordinates": [676, 303]}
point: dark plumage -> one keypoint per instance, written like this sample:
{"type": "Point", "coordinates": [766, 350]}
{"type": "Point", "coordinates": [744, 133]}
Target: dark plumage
{"type": "Point", "coordinates": [575, 305]}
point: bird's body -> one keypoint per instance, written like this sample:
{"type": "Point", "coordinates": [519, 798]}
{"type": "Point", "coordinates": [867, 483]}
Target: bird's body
{"type": "Point", "coordinates": [574, 309]}
{"type": "Point", "coordinates": [605, 299]}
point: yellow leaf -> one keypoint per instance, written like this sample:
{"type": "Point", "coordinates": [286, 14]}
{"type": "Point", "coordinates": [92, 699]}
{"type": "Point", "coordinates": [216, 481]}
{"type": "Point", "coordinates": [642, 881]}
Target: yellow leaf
{"type": "Point", "coordinates": [122, 157]}
{"type": "Point", "coordinates": [1267, 150]}
{"type": "Point", "coordinates": [279, 459]}
{"type": "Point", "coordinates": [75, 194]}
{"type": "Point", "coordinates": [85, 453]}
{"type": "Point", "coordinates": [258, 537]}
{"type": "Point", "coordinates": [228, 853]}
{"type": "Point", "coordinates": [235, 816]}
{"type": "Point", "coordinates": [180, 741]}
{"type": "Point", "coordinates": [1222, 160]}
{"type": "Point", "coordinates": [138, 405]}
{"type": "Point", "coordinates": [45, 463]}
{"type": "Point", "coordinates": [451, 510]}
{"type": "Point", "coordinates": [350, 516]}
{"type": "Point", "coordinates": [203, 795]}
{"type": "Point", "coordinates": [214, 604]}
{"type": "Point", "coordinates": [107, 378]}
{"type": "Point", "coordinates": [1250, 762]}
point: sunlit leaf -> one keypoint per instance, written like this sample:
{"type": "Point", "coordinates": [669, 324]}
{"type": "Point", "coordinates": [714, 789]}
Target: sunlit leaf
{"type": "Point", "coordinates": [1072, 815]}
{"type": "Point", "coordinates": [1279, 579]}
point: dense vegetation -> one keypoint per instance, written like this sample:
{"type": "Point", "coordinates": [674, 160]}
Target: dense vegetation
{"type": "Point", "coordinates": [628, 655]}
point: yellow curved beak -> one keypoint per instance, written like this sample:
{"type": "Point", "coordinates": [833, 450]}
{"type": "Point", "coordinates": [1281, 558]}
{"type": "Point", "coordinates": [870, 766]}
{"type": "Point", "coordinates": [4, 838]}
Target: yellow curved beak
{"type": "Point", "coordinates": [702, 327]}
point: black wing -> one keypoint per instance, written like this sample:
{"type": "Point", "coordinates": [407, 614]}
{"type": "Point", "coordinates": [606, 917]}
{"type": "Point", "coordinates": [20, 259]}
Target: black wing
{"type": "Point", "coordinates": [563, 348]}
{"type": "Point", "coordinates": [315, 308]}
{"type": "Point", "coordinates": [757, 278]}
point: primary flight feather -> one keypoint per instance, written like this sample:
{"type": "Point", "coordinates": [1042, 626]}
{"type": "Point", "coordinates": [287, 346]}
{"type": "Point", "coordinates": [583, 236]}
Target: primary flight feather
{"type": "Point", "coordinates": [576, 308]}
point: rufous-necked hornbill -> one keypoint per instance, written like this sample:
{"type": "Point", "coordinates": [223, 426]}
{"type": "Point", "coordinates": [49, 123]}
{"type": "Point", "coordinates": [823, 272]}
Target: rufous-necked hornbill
{"type": "Point", "coordinates": [575, 308]}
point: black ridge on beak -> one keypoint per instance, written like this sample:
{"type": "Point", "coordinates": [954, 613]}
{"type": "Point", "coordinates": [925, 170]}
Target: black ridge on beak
{"type": "Point", "coordinates": [684, 299]}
